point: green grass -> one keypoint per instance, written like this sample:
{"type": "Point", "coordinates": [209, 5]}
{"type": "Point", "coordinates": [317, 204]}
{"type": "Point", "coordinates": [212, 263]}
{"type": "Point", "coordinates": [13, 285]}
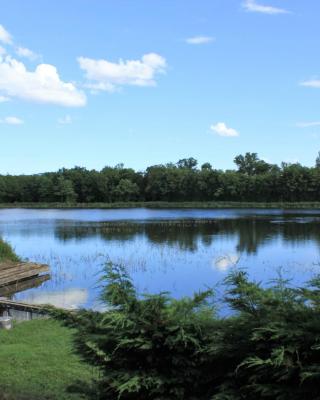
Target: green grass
{"type": "Point", "coordinates": [37, 362]}
{"type": "Point", "coordinates": [168, 205]}
{"type": "Point", "coordinates": [6, 252]}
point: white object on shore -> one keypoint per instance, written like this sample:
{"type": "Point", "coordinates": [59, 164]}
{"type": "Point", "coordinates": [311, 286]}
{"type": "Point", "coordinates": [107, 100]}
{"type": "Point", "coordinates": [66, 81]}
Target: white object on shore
{"type": "Point", "coordinates": [5, 323]}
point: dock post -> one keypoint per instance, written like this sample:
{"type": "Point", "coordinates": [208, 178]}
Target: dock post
{"type": "Point", "coordinates": [5, 323]}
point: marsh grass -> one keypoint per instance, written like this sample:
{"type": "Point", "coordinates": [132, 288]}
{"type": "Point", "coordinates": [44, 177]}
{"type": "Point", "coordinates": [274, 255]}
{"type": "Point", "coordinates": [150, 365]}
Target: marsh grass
{"type": "Point", "coordinates": [6, 252]}
{"type": "Point", "coordinates": [167, 205]}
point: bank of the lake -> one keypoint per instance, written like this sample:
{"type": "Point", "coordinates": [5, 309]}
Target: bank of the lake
{"type": "Point", "coordinates": [38, 362]}
{"type": "Point", "coordinates": [37, 359]}
{"type": "Point", "coordinates": [168, 205]}
{"type": "Point", "coordinates": [6, 252]}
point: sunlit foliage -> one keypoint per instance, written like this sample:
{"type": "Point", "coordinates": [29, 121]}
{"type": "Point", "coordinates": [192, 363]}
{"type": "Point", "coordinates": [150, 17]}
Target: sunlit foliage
{"type": "Point", "coordinates": [154, 347]}
{"type": "Point", "coordinates": [255, 180]}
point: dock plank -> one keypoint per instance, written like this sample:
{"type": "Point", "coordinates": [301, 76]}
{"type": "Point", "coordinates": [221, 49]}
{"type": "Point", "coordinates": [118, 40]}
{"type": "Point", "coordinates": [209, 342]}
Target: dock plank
{"type": "Point", "coordinates": [23, 268]}
{"type": "Point", "coordinates": [14, 272]}
{"type": "Point", "coordinates": [17, 305]}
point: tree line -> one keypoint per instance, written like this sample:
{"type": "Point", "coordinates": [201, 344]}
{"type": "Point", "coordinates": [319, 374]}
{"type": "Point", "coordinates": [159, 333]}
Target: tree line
{"type": "Point", "coordinates": [252, 180]}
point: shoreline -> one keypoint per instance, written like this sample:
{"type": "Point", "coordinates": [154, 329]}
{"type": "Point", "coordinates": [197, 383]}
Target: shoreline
{"type": "Point", "coordinates": [167, 205]}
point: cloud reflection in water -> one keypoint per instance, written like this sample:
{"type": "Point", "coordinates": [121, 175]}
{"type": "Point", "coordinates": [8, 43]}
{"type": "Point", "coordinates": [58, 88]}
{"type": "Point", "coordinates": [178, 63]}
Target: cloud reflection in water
{"type": "Point", "coordinates": [70, 298]}
{"type": "Point", "coordinates": [223, 263]}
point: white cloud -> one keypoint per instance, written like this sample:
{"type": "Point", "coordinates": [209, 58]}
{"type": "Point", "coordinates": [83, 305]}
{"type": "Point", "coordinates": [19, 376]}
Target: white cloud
{"type": "Point", "coordinates": [12, 121]}
{"type": "Point", "coordinates": [308, 124]}
{"type": "Point", "coordinates": [5, 36]}
{"type": "Point", "coordinates": [106, 75]}
{"type": "Point", "coordinates": [252, 6]}
{"type": "Point", "coordinates": [314, 83]}
{"type": "Point", "coordinates": [222, 130]}
{"type": "Point", "coordinates": [42, 85]}
{"type": "Point", "coordinates": [27, 53]}
{"type": "Point", "coordinates": [65, 120]}
{"type": "Point", "coordinates": [3, 99]}
{"type": "Point", "coordinates": [100, 86]}
{"type": "Point", "coordinates": [200, 40]}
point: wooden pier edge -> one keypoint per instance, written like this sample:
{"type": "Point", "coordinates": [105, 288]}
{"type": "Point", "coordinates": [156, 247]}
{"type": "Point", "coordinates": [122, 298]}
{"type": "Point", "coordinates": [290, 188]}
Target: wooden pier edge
{"type": "Point", "coordinates": [19, 276]}
{"type": "Point", "coordinates": [11, 272]}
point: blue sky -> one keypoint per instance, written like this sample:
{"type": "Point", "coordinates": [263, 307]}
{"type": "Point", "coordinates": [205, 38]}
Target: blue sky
{"type": "Point", "coordinates": [95, 83]}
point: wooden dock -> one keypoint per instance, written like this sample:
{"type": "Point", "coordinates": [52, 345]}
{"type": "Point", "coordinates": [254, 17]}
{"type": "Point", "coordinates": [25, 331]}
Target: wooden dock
{"type": "Point", "coordinates": [16, 277]}
{"type": "Point", "coordinates": [19, 306]}
{"type": "Point", "coordinates": [12, 272]}
{"type": "Point", "coordinates": [25, 284]}
{"type": "Point", "coordinates": [21, 311]}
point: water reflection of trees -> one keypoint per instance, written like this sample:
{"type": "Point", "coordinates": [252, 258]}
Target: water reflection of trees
{"type": "Point", "coordinates": [251, 233]}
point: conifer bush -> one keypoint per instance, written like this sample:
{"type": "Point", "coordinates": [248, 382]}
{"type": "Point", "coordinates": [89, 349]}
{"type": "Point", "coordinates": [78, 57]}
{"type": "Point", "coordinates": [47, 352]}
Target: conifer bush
{"type": "Point", "coordinates": [154, 347]}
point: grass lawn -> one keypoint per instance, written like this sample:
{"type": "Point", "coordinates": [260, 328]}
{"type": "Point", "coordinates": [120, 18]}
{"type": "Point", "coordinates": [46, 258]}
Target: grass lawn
{"type": "Point", "coordinates": [37, 362]}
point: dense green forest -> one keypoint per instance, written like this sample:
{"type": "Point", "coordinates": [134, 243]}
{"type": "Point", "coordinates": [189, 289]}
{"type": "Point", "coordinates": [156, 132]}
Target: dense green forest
{"type": "Point", "coordinates": [252, 180]}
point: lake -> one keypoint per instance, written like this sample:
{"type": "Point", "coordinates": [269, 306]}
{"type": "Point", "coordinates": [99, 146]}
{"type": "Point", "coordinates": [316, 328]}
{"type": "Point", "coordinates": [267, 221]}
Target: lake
{"type": "Point", "coordinates": [180, 251]}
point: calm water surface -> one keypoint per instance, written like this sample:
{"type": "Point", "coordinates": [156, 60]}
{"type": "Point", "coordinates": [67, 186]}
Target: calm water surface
{"type": "Point", "coordinates": [180, 251]}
